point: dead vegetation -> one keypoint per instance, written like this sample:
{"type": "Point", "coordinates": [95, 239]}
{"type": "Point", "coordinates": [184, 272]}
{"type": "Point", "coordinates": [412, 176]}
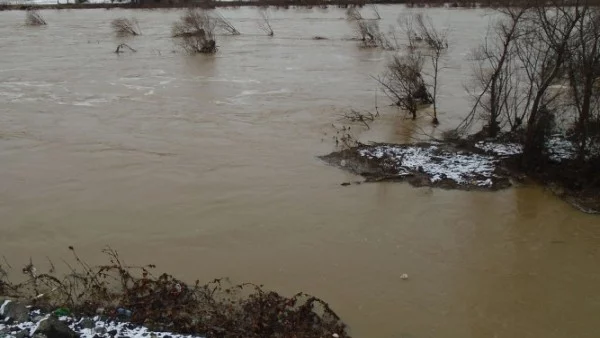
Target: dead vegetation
{"type": "Point", "coordinates": [195, 31]}
{"type": "Point", "coordinates": [265, 22]}
{"type": "Point", "coordinates": [224, 25]}
{"type": "Point", "coordinates": [363, 117]}
{"type": "Point", "coordinates": [407, 81]}
{"type": "Point", "coordinates": [123, 47]}
{"type": "Point", "coordinates": [164, 303]}
{"type": "Point", "coordinates": [403, 83]}
{"type": "Point", "coordinates": [125, 27]}
{"type": "Point", "coordinates": [34, 18]}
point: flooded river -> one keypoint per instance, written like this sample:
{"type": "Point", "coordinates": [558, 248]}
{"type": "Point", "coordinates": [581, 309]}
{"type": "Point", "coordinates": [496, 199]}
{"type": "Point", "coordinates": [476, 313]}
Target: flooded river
{"type": "Point", "coordinates": [206, 166]}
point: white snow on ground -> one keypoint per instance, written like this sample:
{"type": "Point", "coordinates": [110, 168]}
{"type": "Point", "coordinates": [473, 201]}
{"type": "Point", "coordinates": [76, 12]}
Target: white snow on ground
{"type": "Point", "coordinates": [462, 168]}
{"type": "Point", "coordinates": [560, 149]}
{"type": "Point", "coordinates": [500, 149]}
{"type": "Point", "coordinates": [101, 329]}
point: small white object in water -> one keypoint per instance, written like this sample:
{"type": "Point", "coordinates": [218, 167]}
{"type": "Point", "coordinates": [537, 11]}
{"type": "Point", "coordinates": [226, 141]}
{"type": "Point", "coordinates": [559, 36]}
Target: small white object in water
{"type": "Point", "coordinates": [335, 335]}
{"type": "Point", "coordinates": [343, 163]}
{"type": "Point", "coordinates": [404, 276]}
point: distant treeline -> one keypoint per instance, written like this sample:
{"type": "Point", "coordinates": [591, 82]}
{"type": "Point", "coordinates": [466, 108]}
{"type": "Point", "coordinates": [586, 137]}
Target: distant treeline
{"type": "Point", "coordinates": [149, 4]}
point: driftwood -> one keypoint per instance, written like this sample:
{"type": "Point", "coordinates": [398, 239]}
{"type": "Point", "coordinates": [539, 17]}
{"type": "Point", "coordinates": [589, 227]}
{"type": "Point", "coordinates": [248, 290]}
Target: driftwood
{"type": "Point", "coordinates": [121, 47]}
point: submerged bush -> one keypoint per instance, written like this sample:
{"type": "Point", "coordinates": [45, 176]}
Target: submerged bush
{"type": "Point", "coordinates": [195, 31]}
{"type": "Point", "coordinates": [34, 18]}
{"type": "Point", "coordinates": [125, 26]}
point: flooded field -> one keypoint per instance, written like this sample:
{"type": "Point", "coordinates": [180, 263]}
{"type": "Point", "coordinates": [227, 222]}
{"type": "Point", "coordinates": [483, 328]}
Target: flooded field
{"type": "Point", "coordinates": [207, 166]}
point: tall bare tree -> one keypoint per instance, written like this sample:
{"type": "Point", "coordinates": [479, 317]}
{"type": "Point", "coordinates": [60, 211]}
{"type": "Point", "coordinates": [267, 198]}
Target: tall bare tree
{"type": "Point", "coordinates": [436, 41]}
{"type": "Point", "coordinates": [497, 76]}
{"type": "Point", "coordinates": [583, 69]}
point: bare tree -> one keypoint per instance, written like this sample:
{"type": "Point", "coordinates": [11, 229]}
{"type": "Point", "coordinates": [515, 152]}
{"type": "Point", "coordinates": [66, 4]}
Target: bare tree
{"type": "Point", "coordinates": [34, 18]}
{"type": "Point", "coordinates": [403, 83]}
{"type": "Point", "coordinates": [407, 26]}
{"type": "Point", "coordinates": [195, 31]}
{"type": "Point", "coordinates": [497, 77]}
{"type": "Point", "coordinates": [265, 23]}
{"type": "Point", "coordinates": [437, 43]}
{"type": "Point", "coordinates": [544, 50]}
{"type": "Point", "coordinates": [125, 26]}
{"type": "Point", "coordinates": [583, 69]}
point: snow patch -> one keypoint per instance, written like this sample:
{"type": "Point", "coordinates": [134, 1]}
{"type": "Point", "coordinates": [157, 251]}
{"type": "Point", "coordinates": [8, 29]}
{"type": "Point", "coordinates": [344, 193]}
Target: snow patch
{"type": "Point", "coordinates": [500, 149]}
{"type": "Point", "coordinates": [462, 168]}
{"type": "Point", "coordinates": [102, 328]}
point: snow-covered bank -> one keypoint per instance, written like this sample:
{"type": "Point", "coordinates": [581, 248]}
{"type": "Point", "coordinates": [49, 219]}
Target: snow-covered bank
{"type": "Point", "coordinates": [33, 323]}
{"type": "Point", "coordinates": [439, 164]}
{"type": "Point", "coordinates": [433, 164]}
{"type": "Point", "coordinates": [481, 165]}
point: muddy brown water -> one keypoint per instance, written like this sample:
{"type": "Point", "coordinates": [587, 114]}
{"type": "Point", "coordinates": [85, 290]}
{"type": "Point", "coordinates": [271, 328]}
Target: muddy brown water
{"type": "Point", "coordinates": [206, 166]}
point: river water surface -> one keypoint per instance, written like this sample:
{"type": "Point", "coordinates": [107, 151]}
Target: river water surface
{"type": "Point", "coordinates": [206, 166]}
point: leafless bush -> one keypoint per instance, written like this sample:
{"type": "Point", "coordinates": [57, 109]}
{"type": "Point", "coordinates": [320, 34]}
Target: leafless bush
{"type": "Point", "coordinates": [264, 24]}
{"type": "Point", "coordinates": [224, 24]}
{"type": "Point", "coordinates": [125, 26]}
{"type": "Point", "coordinates": [434, 38]}
{"type": "Point", "coordinates": [403, 83]}
{"type": "Point", "coordinates": [353, 14]}
{"type": "Point", "coordinates": [195, 31]}
{"type": "Point", "coordinates": [34, 18]}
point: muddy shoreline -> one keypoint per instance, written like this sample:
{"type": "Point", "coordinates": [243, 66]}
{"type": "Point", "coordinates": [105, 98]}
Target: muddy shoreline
{"type": "Point", "coordinates": [466, 165]}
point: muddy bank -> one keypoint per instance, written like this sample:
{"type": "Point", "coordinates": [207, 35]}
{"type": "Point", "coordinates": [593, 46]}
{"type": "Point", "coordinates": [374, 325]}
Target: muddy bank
{"type": "Point", "coordinates": [469, 165]}
{"type": "Point", "coordinates": [424, 164]}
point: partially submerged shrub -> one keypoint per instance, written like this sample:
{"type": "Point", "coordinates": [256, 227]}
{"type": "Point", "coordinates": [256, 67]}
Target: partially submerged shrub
{"type": "Point", "coordinates": [162, 302]}
{"type": "Point", "coordinates": [125, 26]}
{"type": "Point", "coordinates": [368, 31]}
{"type": "Point", "coordinates": [195, 31]}
{"type": "Point", "coordinates": [34, 18]}
{"type": "Point", "coordinates": [265, 23]}
{"type": "Point", "coordinates": [224, 24]}
{"type": "Point", "coordinates": [403, 82]}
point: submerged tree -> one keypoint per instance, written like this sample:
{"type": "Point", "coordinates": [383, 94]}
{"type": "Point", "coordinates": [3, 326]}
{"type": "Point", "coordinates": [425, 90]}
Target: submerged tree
{"type": "Point", "coordinates": [195, 31]}
{"type": "Point", "coordinates": [437, 42]}
{"type": "Point", "coordinates": [403, 83]}
{"type": "Point", "coordinates": [34, 18]}
{"type": "Point", "coordinates": [125, 26]}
